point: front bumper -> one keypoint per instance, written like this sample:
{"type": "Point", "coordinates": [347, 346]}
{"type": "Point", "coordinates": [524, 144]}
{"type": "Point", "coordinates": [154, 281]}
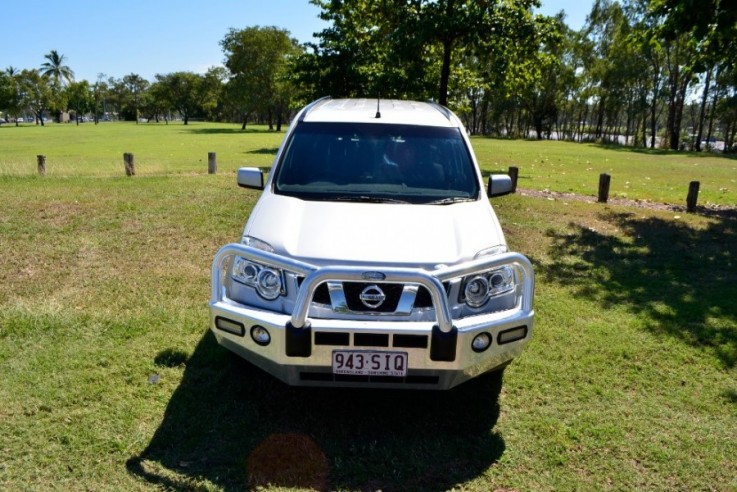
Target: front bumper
{"type": "Point", "coordinates": [440, 354]}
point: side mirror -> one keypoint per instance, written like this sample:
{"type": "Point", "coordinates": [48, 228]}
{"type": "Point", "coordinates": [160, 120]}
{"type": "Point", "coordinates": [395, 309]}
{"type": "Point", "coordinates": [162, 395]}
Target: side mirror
{"type": "Point", "coordinates": [499, 185]}
{"type": "Point", "coordinates": [251, 177]}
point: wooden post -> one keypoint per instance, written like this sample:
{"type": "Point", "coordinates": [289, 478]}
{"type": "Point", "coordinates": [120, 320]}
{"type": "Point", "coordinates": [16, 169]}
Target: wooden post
{"type": "Point", "coordinates": [212, 163]}
{"type": "Point", "coordinates": [130, 164]}
{"type": "Point", "coordinates": [604, 182]}
{"type": "Point", "coordinates": [693, 196]}
{"type": "Point", "coordinates": [41, 159]}
{"type": "Point", "coordinates": [514, 174]}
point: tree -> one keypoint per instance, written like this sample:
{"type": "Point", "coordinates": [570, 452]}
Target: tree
{"type": "Point", "coordinates": [10, 94]}
{"type": "Point", "coordinates": [55, 69]}
{"type": "Point", "coordinates": [99, 93]}
{"type": "Point", "coordinates": [410, 48]}
{"type": "Point", "coordinates": [706, 31]}
{"type": "Point", "coordinates": [711, 23]}
{"type": "Point", "coordinates": [213, 92]}
{"type": "Point", "coordinates": [135, 86]}
{"type": "Point", "coordinates": [183, 92]}
{"type": "Point", "coordinates": [80, 98]}
{"type": "Point", "coordinates": [35, 92]}
{"type": "Point", "coordinates": [258, 59]}
{"type": "Point", "coordinates": [158, 104]}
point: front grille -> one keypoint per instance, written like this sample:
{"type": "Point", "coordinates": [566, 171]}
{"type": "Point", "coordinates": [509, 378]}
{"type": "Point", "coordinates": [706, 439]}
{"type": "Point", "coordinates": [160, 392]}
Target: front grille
{"type": "Point", "coordinates": [322, 296]}
{"type": "Point", "coordinates": [423, 299]}
{"type": "Point", "coordinates": [353, 292]}
{"type": "Point", "coordinates": [393, 297]}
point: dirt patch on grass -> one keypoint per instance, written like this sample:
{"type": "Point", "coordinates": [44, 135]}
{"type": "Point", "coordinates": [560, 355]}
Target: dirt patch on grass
{"type": "Point", "coordinates": [710, 210]}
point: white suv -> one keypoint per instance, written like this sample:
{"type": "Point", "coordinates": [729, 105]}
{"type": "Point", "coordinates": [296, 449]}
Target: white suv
{"type": "Point", "coordinates": [373, 257]}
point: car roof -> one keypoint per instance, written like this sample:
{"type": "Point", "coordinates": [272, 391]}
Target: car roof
{"type": "Point", "coordinates": [392, 111]}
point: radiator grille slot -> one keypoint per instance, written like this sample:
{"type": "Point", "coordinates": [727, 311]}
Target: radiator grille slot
{"type": "Point", "coordinates": [343, 339]}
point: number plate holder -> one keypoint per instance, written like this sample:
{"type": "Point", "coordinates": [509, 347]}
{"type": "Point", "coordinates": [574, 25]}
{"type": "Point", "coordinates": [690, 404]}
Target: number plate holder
{"type": "Point", "coordinates": [370, 363]}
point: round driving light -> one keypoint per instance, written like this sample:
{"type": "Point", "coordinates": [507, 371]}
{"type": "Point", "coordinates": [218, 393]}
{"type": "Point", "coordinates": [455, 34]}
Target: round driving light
{"type": "Point", "coordinates": [269, 284]}
{"type": "Point", "coordinates": [481, 342]}
{"type": "Point", "coordinates": [260, 335]}
{"type": "Point", "coordinates": [476, 291]}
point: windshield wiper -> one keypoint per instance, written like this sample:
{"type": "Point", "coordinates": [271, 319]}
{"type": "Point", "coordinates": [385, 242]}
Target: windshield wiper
{"type": "Point", "coordinates": [366, 199]}
{"type": "Point", "coordinates": [449, 200]}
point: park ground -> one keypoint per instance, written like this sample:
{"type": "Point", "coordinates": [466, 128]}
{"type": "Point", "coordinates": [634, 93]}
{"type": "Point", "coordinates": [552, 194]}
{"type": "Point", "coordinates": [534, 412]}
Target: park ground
{"type": "Point", "coordinates": [110, 379]}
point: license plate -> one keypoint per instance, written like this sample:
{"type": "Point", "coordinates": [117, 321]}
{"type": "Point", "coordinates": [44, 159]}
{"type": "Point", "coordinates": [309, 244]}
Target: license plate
{"type": "Point", "coordinates": [370, 363]}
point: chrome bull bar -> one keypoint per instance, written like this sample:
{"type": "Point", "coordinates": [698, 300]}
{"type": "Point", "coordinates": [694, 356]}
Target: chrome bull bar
{"type": "Point", "coordinates": [314, 276]}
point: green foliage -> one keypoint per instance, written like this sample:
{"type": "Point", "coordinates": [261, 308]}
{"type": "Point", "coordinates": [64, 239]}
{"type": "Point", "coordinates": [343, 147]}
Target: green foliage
{"type": "Point", "coordinates": [631, 75]}
{"type": "Point", "coordinates": [36, 93]}
{"type": "Point", "coordinates": [80, 98]}
{"type": "Point", "coordinates": [259, 59]}
{"type": "Point", "coordinates": [711, 23]}
{"type": "Point", "coordinates": [182, 91]}
{"type": "Point", "coordinates": [54, 69]}
{"type": "Point", "coordinates": [411, 49]}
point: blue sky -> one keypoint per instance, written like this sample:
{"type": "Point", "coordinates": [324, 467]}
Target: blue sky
{"type": "Point", "coordinates": [157, 36]}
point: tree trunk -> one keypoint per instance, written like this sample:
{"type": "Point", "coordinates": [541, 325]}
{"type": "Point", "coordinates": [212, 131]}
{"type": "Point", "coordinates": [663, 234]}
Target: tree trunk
{"type": "Point", "coordinates": [484, 115]}
{"type": "Point", "coordinates": [717, 95]}
{"type": "Point", "coordinates": [445, 71]}
{"type": "Point", "coordinates": [700, 133]}
{"type": "Point", "coordinates": [600, 119]}
{"type": "Point", "coordinates": [678, 116]}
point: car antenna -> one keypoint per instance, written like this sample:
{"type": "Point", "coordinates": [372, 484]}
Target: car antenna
{"type": "Point", "coordinates": [378, 107]}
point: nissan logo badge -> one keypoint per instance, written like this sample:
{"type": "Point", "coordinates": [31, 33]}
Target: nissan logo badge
{"type": "Point", "coordinates": [372, 296]}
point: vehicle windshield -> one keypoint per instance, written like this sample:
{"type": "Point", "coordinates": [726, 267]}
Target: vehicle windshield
{"type": "Point", "coordinates": [377, 163]}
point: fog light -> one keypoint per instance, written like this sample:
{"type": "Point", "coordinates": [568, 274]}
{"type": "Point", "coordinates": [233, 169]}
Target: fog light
{"type": "Point", "coordinates": [481, 342]}
{"type": "Point", "coordinates": [230, 326]}
{"type": "Point", "coordinates": [260, 335]}
{"type": "Point", "coordinates": [512, 335]}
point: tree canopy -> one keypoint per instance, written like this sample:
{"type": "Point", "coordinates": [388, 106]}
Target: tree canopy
{"type": "Point", "coordinates": [639, 72]}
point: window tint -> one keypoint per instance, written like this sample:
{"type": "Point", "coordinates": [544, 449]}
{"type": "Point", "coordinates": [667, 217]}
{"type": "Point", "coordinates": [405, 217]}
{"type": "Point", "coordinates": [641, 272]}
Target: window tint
{"type": "Point", "coordinates": [343, 161]}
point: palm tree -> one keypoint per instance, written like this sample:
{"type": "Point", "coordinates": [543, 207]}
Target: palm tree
{"type": "Point", "coordinates": [55, 69]}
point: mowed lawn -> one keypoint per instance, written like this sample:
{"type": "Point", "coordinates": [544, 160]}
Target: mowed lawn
{"type": "Point", "coordinates": [110, 380]}
{"type": "Point", "coordinates": [89, 150]}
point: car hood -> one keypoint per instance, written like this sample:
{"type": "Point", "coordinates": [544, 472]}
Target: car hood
{"type": "Point", "coordinates": [322, 232]}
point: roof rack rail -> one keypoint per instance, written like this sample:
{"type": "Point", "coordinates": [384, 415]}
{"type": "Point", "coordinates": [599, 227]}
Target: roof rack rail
{"type": "Point", "coordinates": [442, 109]}
{"type": "Point", "coordinates": [313, 105]}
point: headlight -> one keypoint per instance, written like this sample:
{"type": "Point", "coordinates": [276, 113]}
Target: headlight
{"type": "Point", "coordinates": [478, 289]}
{"type": "Point", "coordinates": [267, 281]}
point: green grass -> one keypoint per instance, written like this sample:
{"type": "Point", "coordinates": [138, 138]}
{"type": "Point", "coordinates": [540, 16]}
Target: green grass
{"type": "Point", "coordinates": [89, 150]}
{"type": "Point", "coordinates": [110, 380]}
{"type": "Point", "coordinates": [638, 174]}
